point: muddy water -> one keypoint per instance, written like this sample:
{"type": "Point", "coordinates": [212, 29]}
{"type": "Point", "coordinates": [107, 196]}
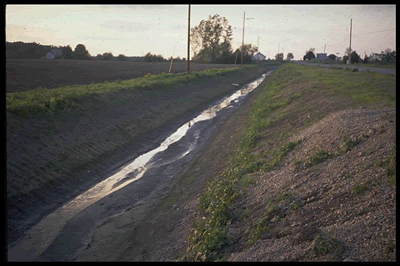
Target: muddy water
{"type": "Point", "coordinates": [42, 235]}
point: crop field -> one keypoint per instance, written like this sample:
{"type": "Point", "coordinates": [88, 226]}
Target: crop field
{"type": "Point", "coordinates": [26, 74]}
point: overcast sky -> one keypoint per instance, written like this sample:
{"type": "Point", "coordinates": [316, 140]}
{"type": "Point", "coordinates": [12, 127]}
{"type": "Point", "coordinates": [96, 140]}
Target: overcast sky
{"type": "Point", "coordinates": [134, 30]}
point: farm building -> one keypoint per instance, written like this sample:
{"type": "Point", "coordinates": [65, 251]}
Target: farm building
{"type": "Point", "coordinates": [259, 57]}
{"type": "Point", "coordinates": [322, 56]}
{"type": "Point", "coordinates": [53, 53]}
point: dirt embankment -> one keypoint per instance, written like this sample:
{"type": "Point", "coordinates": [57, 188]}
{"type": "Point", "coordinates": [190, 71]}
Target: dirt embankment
{"type": "Point", "coordinates": [51, 159]}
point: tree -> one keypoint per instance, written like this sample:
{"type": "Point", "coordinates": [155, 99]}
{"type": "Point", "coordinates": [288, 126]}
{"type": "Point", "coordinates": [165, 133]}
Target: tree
{"type": "Point", "coordinates": [290, 56]}
{"type": "Point", "coordinates": [153, 58]}
{"type": "Point", "coordinates": [121, 57]}
{"type": "Point", "coordinates": [248, 53]}
{"type": "Point", "coordinates": [355, 58]}
{"type": "Point", "coordinates": [81, 53]}
{"type": "Point", "coordinates": [107, 56]}
{"type": "Point", "coordinates": [67, 52]}
{"type": "Point", "coordinates": [309, 54]}
{"type": "Point", "coordinates": [332, 57]}
{"type": "Point", "coordinates": [211, 39]}
{"type": "Point", "coordinates": [279, 56]}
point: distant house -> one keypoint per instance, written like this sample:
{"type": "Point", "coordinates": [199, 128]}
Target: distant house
{"type": "Point", "coordinates": [322, 56]}
{"type": "Point", "coordinates": [259, 57]}
{"type": "Point", "coordinates": [53, 54]}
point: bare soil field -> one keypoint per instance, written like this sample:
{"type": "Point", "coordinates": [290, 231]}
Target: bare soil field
{"type": "Point", "coordinates": [25, 74]}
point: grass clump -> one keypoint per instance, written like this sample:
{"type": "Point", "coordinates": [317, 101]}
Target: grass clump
{"type": "Point", "coordinates": [325, 244]}
{"type": "Point", "coordinates": [358, 188]}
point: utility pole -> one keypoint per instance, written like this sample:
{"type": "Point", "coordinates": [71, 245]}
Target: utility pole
{"type": "Point", "coordinates": [351, 24]}
{"type": "Point", "coordinates": [258, 44]}
{"type": "Point", "coordinates": [324, 48]}
{"type": "Point", "coordinates": [241, 61]}
{"type": "Point", "coordinates": [188, 44]}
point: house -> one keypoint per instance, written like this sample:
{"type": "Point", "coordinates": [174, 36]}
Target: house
{"type": "Point", "coordinates": [54, 53]}
{"type": "Point", "coordinates": [322, 56]}
{"type": "Point", "coordinates": [259, 57]}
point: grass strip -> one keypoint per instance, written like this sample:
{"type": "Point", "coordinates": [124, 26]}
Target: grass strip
{"type": "Point", "coordinates": [43, 100]}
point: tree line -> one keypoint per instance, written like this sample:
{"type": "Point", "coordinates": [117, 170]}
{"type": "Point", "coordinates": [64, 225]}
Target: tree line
{"type": "Point", "coordinates": [387, 56]}
{"type": "Point", "coordinates": [22, 50]}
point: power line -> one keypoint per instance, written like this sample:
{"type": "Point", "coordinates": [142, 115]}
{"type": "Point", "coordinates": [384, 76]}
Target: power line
{"type": "Point", "coordinates": [374, 32]}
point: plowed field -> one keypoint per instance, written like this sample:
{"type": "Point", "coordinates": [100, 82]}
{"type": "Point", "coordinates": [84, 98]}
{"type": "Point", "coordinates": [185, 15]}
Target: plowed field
{"type": "Point", "coordinates": [26, 74]}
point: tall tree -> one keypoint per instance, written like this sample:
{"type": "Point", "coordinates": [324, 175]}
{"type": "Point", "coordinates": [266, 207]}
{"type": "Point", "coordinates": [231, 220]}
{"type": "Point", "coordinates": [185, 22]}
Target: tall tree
{"type": "Point", "coordinates": [279, 56]}
{"type": "Point", "coordinates": [211, 39]}
{"type": "Point", "coordinates": [290, 56]}
{"type": "Point", "coordinates": [67, 52]}
{"type": "Point", "coordinates": [81, 53]}
{"type": "Point", "coordinates": [309, 54]}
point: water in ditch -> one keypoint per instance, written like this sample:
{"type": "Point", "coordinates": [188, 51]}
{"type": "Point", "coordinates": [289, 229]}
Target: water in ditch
{"type": "Point", "coordinates": [40, 236]}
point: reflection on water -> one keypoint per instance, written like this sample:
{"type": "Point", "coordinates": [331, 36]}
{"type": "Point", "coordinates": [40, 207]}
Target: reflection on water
{"type": "Point", "coordinates": [42, 234]}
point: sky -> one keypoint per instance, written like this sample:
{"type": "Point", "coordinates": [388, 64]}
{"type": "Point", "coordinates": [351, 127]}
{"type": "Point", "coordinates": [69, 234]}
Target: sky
{"type": "Point", "coordinates": [134, 30]}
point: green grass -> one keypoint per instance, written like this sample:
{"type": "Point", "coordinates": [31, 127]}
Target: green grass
{"type": "Point", "coordinates": [362, 87]}
{"type": "Point", "coordinates": [48, 101]}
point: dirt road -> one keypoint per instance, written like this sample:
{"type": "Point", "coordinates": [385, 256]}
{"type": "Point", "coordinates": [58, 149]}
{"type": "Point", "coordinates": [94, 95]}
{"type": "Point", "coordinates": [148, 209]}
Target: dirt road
{"type": "Point", "coordinates": [372, 69]}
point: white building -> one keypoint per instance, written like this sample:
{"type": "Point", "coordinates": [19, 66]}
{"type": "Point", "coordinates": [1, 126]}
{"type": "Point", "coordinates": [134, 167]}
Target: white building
{"type": "Point", "coordinates": [259, 57]}
{"type": "Point", "coordinates": [322, 56]}
{"type": "Point", "coordinates": [53, 53]}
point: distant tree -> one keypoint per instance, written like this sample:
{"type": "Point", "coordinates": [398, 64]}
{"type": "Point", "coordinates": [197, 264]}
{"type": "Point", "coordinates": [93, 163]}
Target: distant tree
{"type": "Point", "coordinates": [248, 53]}
{"type": "Point", "coordinates": [290, 56]}
{"type": "Point", "coordinates": [332, 57]}
{"type": "Point", "coordinates": [355, 58]}
{"type": "Point", "coordinates": [279, 56]}
{"type": "Point", "coordinates": [67, 52]}
{"type": "Point", "coordinates": [153, 58]}
{"type": "Point", "coordinates": [107, 56]}
{"type": "Point", "coordinates": [81, 53]}
{"type": "Point", "coordinates": [99, 56]}
{"type": "Point", "coordinates": [388, 56]}
{"type": "Point", "coordinates": [309, 54]}
{"type": "Point", "coordinates": [121, 57]}
{"type": "Point", "coordinates": [366, 59]}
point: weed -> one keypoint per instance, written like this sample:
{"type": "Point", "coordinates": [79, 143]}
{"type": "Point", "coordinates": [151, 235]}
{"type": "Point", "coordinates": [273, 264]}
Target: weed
{"type": "Point", "coordinates": [358, 188]}
{"type": "Point", "coordinates": [296, 205]}
{"type": "Point", "coordinates": [285, 196]}
{"type": "Point", "coordinates": [278, 154]}
{"type": "Point", "coordinates": [316, 158]}
{"type": "Point", "coordinates": [246, 213]}
{"type": "Point", "coordinates": [325, 244]}
{"type": "Point", "coordinates": [355, 70]}
{"type": "Point", "coordinates": [258, 229]}
{"type": "Point", "coordinates": [298, 165]}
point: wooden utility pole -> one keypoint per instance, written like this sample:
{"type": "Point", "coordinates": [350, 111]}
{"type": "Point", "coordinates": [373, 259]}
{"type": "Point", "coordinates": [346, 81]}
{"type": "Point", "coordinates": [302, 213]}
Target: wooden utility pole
{"type": "Point", "coordinates": [258, 43]}
{"type": "Point", "coordinates": [324, 48]}
{"type": "Point", "coordinates": [351, 24]}
{"type": "Point", "coordinates": [188, 44]}
{"type": "Point", "coordinates": [241, 50]}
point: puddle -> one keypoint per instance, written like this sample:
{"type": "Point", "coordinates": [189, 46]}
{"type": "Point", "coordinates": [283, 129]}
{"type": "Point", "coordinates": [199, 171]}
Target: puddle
{"type": "Point", "coordinates": [40, 236]}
